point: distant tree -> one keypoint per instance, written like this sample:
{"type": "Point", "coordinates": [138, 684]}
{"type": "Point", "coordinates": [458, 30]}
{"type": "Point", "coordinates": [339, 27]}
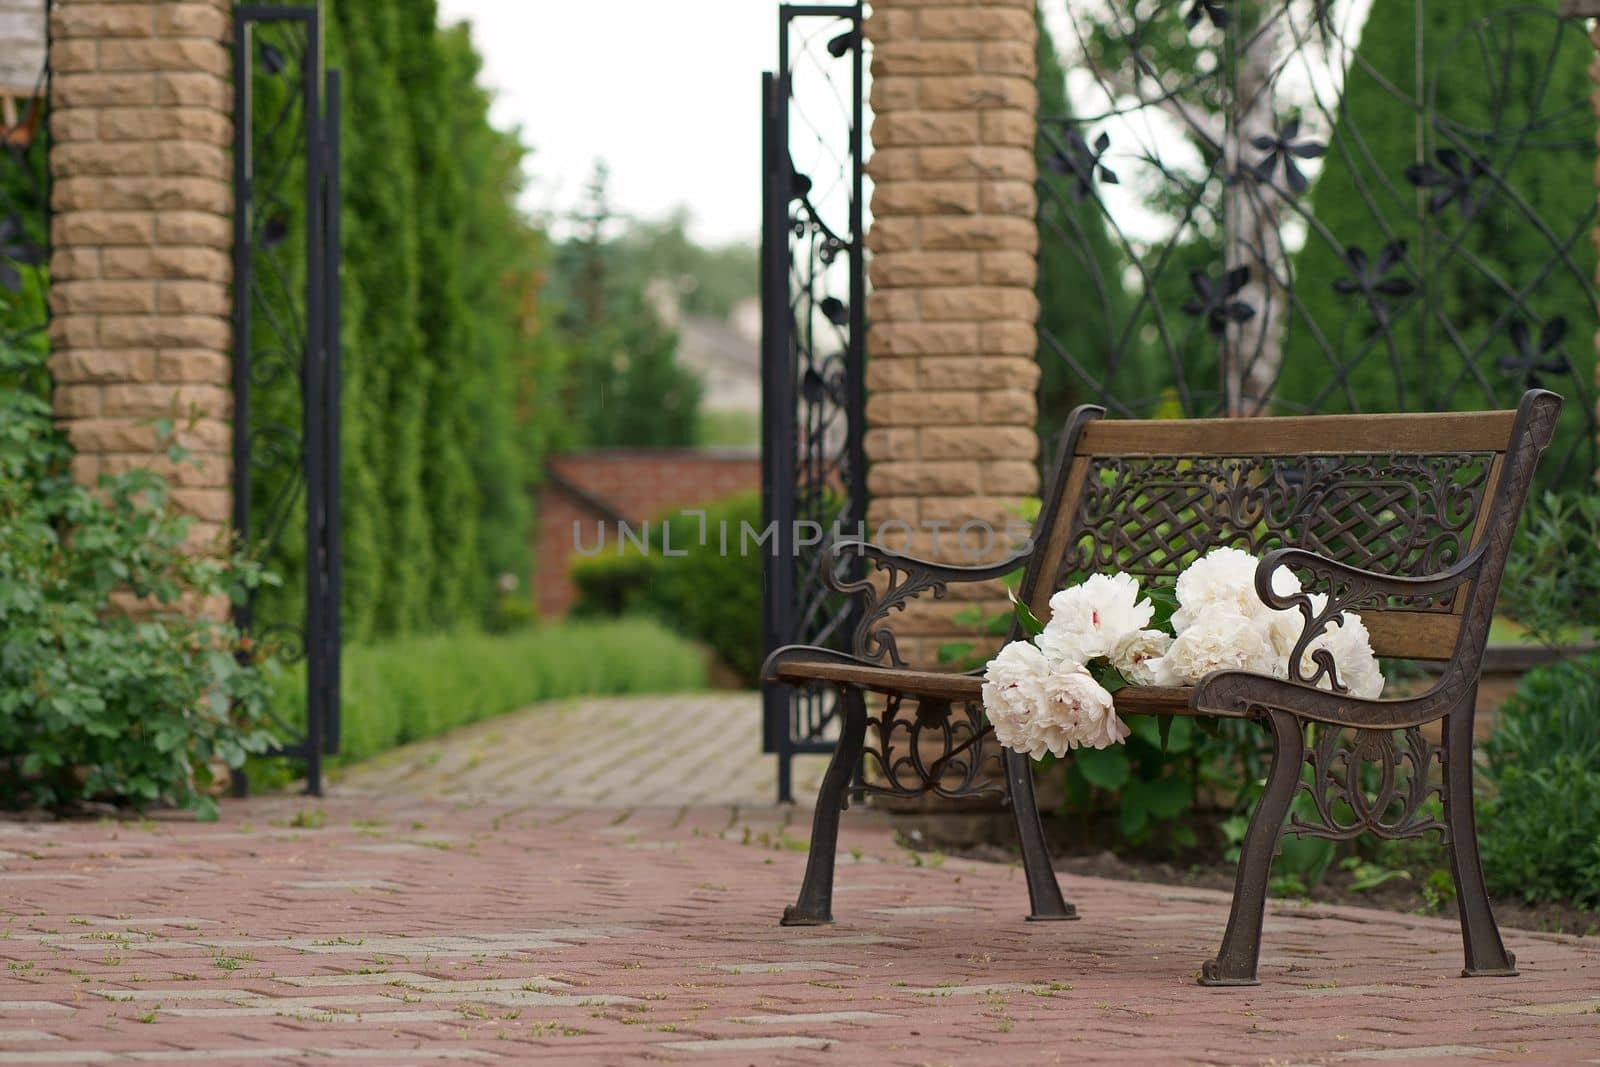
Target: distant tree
{"type": "Point", "coordinates": [708, 280]}
{"type": "Point", "coordinates": [623, 385]}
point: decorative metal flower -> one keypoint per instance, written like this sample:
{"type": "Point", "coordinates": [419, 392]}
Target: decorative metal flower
{"type": "Point", "coordinates": [1083, 163]}
{"type": "Point", "coordinates": [1214, 299]}
{"type": "Point", "coordinates": [1369, 278]}
{"type": "Point", "coordinates": [1451, 181]}
{"type": "Point", "coordinates": [1215, 10]}
{"type": "Point", "coordinates": [1529, 362]}
{"type": "Point", "coordinates": [843, 43]}
{"type": "Point", "coordinates": [15, 251]}
{"type": "Point", "coordinates": [834, 310]}
{"type": "Point", "coordinates": [1287, 146]}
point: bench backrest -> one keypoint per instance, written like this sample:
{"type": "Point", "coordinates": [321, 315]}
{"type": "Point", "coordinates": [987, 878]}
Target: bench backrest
{"type": "Point", "coordinates": [1406, 495]}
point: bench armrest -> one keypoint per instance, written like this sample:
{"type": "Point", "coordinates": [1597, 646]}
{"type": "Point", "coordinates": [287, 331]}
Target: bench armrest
{"type": "Point", "coordinates": [1346, 588]}
{"type": "Point", "coordinates": [908, 578]}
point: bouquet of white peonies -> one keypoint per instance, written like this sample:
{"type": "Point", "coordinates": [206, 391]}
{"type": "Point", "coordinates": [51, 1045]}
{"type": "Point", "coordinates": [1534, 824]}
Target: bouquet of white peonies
{"type": "Point", "coordinates": [1054, 693]}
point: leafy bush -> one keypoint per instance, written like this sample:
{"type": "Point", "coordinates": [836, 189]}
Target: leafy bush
{"type": "Point", "coordinates": [413, 688]}
{"type": "Point", "coordinates": [1538, 820]}
{"type": "Point", "coordinates": [94, 704]}
{"type": "Point", "coordinates": [712, 592]}
{"type": "Point", "coordinates": [1552, 580]}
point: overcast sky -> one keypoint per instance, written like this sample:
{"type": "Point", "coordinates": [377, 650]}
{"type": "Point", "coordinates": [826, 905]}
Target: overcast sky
{"type": "Point", "coordinates": [667, 93]}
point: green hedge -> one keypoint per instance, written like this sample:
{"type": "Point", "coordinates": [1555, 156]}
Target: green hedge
{"type": "Point", "coordinates": [708, 593]}
{"type": "Point", "coordinates": [409, 689]}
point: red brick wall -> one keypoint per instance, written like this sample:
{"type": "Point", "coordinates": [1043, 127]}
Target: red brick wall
{"type": "Point", "coordinates": [636, 485]}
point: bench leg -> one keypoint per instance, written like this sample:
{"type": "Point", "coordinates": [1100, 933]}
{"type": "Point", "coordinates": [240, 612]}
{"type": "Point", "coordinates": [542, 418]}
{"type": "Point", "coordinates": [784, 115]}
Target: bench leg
{"type": "Point", "coordinates": [1486, 953]}
{"type": "Point", "coordinates": [1235, 963]}
{"type": "Point", "coordinates": [815, 906]}
{"type": "Point", "coordinates": [1045, 903]}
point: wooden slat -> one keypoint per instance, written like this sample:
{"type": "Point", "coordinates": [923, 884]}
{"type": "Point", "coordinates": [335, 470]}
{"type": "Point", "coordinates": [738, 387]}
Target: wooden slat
{"type": "Point", "coordinates": [887, 679]}
{"type": "Point", "coordinates": [1057, 537]}
{"type": "Point", "coordinates": [1412, 634]}
{"type": "Point", "coordinates": [1425, 433]}
{"type": "Point", "coordinates": [1134, 700]}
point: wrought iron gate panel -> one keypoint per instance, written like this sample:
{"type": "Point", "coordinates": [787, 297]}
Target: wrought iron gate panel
{"type": "Point", "coordinates": [1272, 207]}
{"type": "Point", "coordinates": [286, 324]}
{"type": "Point", "coordinates": [813, 356]}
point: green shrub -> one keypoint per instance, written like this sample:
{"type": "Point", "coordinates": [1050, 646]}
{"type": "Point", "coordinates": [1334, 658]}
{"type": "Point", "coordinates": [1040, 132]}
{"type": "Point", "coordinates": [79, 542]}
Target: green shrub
{"type": "Point", "coordinates": [1538, 820]}
{"type": "Point", "coordinates": [413, 688]}
{"type": "Point", "coordinates": [95, 705]}
{"type": "Point", "coordinates": [712, 592]}
{"type": "Point", "coordinates": [1552, 579]}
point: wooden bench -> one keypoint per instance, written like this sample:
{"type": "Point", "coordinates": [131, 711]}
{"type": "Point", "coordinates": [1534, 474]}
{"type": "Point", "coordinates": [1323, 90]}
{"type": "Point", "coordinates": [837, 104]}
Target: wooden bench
{"type": "Point", "coordinates": [1406, 519]}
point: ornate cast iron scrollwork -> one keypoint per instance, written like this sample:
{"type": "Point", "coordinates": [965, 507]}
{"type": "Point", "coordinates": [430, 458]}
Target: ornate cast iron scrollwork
{"type": "Point", "coordinates": [939, 749]}
{"type": "Point", "coordinates": [1349, 803]}
{"type": "Point", "coordinates": [897, 581]}
{"type": "Point", "coordinates": [1402, 515]}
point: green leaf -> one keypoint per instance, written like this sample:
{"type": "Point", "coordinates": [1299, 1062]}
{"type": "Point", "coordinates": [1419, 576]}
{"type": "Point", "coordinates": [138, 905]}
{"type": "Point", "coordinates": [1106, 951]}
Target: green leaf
{"type": "Point", "coordinates": [1167, 796]}
{"type": "Point", "coordinates": [1135, 817]}
{"type": "Point", "coordinates": [1165, 600]}
{"type": "Point", "coordinates": [1031, 626]}
{"type": "Point", "coordinates": [955, 651]}
{"type": "Point", "coordinates": [1106, 768]}
{"type": "Point", "coordinates": [1110, 679]}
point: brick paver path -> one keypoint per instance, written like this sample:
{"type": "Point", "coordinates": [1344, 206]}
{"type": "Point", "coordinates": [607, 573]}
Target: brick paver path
{"type": "Point", "coordinates": [409, 931]}
{"type": "Point", "coordinates": [701, 748]}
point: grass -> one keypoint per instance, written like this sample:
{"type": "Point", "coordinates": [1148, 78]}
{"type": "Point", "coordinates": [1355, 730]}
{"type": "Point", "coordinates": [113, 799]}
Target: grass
{"type": "Point", "coordinates": [413, 688]}
{"type": "Point", "coordinates": [728, 429]}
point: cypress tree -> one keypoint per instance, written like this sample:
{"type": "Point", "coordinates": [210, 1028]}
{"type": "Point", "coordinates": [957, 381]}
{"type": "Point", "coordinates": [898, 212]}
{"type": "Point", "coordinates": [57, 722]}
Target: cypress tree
{"type": "Point", "coordinates": [507, 345]}
{"type": "Point", "coordinates": [449, 493]}
{"type": "Point", "coordinates": [1475, 195]}
{"type": "Point", "coordinates": [382, 256]}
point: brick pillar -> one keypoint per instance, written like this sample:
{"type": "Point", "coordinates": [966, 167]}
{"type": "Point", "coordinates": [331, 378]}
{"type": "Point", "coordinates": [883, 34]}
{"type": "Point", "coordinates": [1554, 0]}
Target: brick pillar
{"type": "Point", "coordinates": [140, 134]}
{"type": "Point", "coordinates": [951, 371]}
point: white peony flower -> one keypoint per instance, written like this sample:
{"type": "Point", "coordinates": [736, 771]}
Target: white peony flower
{"type": "Point", "coordinates": [1221, 637]}
{"type": "Point", "coordinates": [1013, 691]}
{"type": "Point", "coordinates": [1138, 656]}
{"type": "Point", "coordinates": [1076, 711]}
{"type": "Point", "coordinates": [1087, 620]}
{"type": "Point", "coordinates": [1226, 576]}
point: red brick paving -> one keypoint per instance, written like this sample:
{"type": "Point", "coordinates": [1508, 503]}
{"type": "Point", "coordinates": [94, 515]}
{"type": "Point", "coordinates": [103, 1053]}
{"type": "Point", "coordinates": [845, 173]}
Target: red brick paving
{"type": "Point", "coordinates": [425, 932]}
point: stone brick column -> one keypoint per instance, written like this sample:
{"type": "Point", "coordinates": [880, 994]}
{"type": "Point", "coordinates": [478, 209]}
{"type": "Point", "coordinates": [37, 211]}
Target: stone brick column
{"type": "Point", "coordinates": [140, 135]}
{"type": "Point", "coordinates": [951, 371]}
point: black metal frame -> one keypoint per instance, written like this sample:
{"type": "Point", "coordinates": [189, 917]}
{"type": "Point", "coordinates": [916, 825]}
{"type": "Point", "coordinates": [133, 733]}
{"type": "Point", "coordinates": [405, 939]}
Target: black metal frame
{"type": "Point", "coordinates": [813, 398]}
{"type": "Point", "coordinates": [273, 41]}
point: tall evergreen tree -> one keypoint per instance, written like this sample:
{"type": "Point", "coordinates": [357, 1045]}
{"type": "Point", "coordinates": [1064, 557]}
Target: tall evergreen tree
{"type": "Point", "coordinates": [383, 257]}
{"type": "Point", "coordinates": [450, 495]}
